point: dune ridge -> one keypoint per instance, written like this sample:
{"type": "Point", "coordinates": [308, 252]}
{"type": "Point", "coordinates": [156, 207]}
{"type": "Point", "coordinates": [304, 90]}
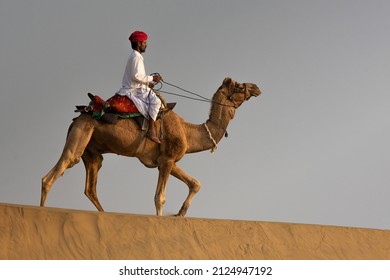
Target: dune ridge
{"type": "Point", "coordinates": [31, 232]}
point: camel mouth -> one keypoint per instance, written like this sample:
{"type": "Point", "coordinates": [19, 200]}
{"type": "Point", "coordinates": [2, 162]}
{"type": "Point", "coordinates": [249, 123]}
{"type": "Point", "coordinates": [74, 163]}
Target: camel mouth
{"type": "Point", "coordinates": [256, 92]}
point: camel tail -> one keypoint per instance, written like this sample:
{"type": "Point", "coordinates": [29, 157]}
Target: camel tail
{"type": "Point", "coordinates": [78, 136]}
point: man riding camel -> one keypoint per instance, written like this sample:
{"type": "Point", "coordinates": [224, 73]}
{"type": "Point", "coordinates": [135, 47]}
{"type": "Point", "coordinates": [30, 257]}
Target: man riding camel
{"type": "Point", "coordinates": [136, 85]}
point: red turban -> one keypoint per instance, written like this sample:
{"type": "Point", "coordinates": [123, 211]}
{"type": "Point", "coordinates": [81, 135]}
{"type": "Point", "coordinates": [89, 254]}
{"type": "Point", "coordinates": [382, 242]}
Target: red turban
{"type": "Point", "coordinates": [138, 36]}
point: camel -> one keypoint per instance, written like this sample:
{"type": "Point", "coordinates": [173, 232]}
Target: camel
{"type": "Point", "coordinates": [88, 139]}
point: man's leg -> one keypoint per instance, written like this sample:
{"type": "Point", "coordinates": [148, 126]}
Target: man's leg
{"type": "Point", "coordinates": [154, 106]}
{"type": "Point", "coordinates": [151, 134]}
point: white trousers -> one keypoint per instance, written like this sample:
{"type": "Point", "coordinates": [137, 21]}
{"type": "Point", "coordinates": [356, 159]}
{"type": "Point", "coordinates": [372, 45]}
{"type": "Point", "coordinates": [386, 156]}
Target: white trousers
{"type": "Point", "coordinates": [146, 101]}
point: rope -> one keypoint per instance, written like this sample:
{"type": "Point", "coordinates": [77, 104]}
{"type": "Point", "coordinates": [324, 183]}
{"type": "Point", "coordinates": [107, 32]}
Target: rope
{"type": "Point", "coordinates": [190, 92]}
{"type": "Point", "coordinates": [188, 97]}
{"type": "Point", "coordinates": [197, 98]}
{"type": "Point", "coordinates": [211, 138]}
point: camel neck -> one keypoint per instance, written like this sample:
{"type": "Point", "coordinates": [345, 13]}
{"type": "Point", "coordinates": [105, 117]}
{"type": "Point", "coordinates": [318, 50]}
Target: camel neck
{"type": "Point", "coordinates": [220, 116]}
{"type": "Point", "coordinates": [205, 136]}
{"type": "Point", "coordinates": [218, 121]}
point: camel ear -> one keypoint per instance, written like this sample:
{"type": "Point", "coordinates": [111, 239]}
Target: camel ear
{"type": "Point", "coordinates": [227, 81]}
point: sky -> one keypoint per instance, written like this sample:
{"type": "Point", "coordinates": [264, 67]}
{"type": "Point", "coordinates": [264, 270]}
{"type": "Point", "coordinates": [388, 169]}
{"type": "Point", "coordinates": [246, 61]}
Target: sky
{"type": "Point", "coordinates": [313, 148]}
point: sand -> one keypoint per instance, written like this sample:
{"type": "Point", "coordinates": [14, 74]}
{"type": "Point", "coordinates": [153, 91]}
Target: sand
{"type": "Point", "coordinates": [42, 233]}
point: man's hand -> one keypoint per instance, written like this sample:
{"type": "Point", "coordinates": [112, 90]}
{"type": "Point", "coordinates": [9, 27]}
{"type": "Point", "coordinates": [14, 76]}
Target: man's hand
{"type": "Point", "coordinates": [157, 78]}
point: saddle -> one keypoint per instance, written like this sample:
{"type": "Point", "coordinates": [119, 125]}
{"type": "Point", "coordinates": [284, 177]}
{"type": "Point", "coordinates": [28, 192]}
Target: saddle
{"type": "Point", "coordinates": [115, 107]}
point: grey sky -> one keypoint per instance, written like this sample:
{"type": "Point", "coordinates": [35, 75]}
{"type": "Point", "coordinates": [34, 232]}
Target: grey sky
{"type": "Point", "coordinates": [313, 148]}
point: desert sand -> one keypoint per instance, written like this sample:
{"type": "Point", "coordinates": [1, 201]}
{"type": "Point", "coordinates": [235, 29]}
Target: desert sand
{"type": "Point", "coordinates": [43, 233]}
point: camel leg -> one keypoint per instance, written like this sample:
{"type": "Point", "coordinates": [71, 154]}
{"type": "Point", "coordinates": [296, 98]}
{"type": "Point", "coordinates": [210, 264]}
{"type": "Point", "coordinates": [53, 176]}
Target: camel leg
{"type": "Point", "coordinates": [193, 186]}
{"type": "Point", "coordinates": [92, 166]}
{"type": "Point", "coordinates": [159, 198]}
{"type": "Point", "coordinates": [76, 142]}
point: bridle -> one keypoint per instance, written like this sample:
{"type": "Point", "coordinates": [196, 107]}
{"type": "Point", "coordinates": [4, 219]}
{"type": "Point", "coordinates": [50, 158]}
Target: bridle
{"type": "Point", "coordinates": [239, 90]}
{"type": "Point", "coordinates": [236, 90]}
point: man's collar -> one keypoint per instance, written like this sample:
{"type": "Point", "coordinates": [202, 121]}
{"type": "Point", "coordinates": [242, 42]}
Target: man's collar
{"type": "Point", "coordinates": [137, 52]}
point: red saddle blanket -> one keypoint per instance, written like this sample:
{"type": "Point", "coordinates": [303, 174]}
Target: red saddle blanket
{"type": "Point", "coordinates": [117, 103]}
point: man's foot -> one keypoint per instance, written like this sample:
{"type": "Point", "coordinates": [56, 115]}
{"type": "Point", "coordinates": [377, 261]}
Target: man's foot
{"type": "Point", "coordinates": [152, 137]}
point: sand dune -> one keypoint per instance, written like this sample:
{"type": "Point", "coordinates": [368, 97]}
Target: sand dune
{"type": "Point", "coordinates": [29, 232]}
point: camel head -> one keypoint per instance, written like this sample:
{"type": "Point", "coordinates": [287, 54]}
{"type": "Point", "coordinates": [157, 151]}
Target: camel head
{"type": "Point", "coordinates": [238, 93]}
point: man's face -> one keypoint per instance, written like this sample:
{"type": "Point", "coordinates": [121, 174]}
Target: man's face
{"type": "Point", "coordinates": [142, 46]}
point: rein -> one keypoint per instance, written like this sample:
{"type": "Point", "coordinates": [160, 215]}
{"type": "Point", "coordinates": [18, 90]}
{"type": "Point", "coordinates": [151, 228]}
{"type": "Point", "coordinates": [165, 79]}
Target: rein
{"type": "Point", "coordinates": [201, 98]}
{"type": "Point", "coordinates": [198, 96]}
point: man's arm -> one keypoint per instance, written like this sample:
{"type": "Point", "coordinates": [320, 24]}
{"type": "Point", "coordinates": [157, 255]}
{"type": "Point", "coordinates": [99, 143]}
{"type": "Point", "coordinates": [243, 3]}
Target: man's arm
{"type": "Point", "coordinates": [139, 72]}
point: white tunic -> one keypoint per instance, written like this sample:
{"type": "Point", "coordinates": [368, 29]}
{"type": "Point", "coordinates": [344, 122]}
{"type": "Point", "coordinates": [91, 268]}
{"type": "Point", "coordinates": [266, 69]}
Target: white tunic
{"type": "Point", "coordinates": [135, 86]}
